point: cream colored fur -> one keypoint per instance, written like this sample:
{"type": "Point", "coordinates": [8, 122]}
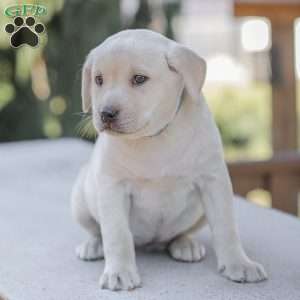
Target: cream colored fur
{"type": "Point", "coordinates": [159, 173]}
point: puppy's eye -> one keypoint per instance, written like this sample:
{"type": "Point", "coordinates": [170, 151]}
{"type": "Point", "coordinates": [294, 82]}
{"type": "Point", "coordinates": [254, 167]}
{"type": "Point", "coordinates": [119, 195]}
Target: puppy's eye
{"type": "Point", "coordinates": [99, 80]}
{"type": "Point", "coordinates": [139, 79]}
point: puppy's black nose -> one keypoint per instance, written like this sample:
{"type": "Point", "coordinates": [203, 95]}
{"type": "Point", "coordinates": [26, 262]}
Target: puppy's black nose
{"type": "Point", "coordinates": [108, 115]}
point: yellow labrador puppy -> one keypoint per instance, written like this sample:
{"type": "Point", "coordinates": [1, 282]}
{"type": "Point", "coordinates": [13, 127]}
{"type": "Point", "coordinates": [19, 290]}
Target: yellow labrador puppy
{"type": "Point", "coordinates": [157, 171]}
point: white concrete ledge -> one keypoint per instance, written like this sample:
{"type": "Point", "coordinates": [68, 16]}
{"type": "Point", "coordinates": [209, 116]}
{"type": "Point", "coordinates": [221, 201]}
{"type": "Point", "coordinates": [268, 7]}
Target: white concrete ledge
{"type": "Point", "coordinates": [38, 237]}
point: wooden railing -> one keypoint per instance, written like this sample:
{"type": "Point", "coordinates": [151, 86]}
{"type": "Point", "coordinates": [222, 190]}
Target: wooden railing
{"type": "Point", "coordinates": [280, 176]}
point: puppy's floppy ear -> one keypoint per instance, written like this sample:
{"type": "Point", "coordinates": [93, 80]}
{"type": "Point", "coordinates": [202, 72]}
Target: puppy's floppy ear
{"type": "Point", "coordinates": [86, 84]}
{"type": "Point", "coordinates": [190, 66]}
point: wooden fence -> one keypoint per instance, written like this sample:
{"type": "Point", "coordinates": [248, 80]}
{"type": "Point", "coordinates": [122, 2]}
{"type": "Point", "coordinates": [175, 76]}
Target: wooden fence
{"type": "Point", "coordinates": [280, 176]}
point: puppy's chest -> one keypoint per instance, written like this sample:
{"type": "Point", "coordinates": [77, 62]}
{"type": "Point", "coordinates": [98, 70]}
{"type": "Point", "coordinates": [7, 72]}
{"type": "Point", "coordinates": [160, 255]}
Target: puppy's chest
{"type": "Point", "coordinates": [162, 208]}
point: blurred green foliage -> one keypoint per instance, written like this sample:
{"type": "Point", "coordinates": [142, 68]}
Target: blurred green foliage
{"type": "Point", "coordinates": [40, 88]}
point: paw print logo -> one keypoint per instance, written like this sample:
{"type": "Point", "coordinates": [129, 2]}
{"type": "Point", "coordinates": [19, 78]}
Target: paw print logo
{"type": "Point", "coordinates": [24, 32]}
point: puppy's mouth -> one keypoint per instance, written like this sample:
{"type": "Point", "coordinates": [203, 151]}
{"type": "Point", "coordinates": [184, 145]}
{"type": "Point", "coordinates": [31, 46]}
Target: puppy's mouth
{"type": "Point", "coordinates": [120, 129]}
{"type": "Point", "coordinates": [112, 128]}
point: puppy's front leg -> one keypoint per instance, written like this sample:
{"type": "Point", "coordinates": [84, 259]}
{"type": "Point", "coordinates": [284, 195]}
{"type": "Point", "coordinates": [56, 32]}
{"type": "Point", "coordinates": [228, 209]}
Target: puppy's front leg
{"type": "Point", "coordinates": [120, 272]}
{"type": "Point", "coordinates": [233, 263]}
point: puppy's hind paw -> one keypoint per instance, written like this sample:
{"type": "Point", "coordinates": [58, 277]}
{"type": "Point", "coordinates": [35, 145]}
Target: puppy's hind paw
{"type": "Point", "coordinates": [90, 250]}
{"type": "Point", "coordinates": [187, 249]}
{"type": "Point", "coordinates": [123, 279]}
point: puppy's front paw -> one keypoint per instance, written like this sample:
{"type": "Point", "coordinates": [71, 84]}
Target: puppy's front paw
{"type": "Point", "coordinates": [90, 250]}
{"type": "Point", "coordinates": [243, 271]}
{"type": "Point", "coordinates": [120, 279]}
{"type": "Point", "coordinates": [186, 249]}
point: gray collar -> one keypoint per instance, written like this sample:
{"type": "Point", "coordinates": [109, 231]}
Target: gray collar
{"type": "Point", "coordinates": [165, 127]}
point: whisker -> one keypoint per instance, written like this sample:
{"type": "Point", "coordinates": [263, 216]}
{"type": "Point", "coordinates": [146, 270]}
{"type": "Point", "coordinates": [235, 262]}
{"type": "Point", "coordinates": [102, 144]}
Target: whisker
{"type": "Point", "coordinates": [85, 128]}
{"type": "Point", "coordinates": [82, 114]}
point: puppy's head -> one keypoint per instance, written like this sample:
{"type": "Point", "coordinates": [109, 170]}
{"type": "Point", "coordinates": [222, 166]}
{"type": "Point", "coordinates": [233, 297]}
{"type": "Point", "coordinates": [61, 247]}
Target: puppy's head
{"type": "Point", "coordinates": [132, 83]}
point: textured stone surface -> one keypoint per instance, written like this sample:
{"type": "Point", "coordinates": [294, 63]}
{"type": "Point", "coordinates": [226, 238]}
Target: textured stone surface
{"type": "Point", "coordinates": [38, 240]}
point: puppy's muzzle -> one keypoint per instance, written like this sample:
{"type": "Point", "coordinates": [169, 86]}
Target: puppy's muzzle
{"type": "Point", "coordinates": [109, 115]}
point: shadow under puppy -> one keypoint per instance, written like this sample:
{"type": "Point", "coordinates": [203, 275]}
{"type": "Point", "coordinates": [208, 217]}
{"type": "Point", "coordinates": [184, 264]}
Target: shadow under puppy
{"type": "Point", "coordinates": [157, 171]}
